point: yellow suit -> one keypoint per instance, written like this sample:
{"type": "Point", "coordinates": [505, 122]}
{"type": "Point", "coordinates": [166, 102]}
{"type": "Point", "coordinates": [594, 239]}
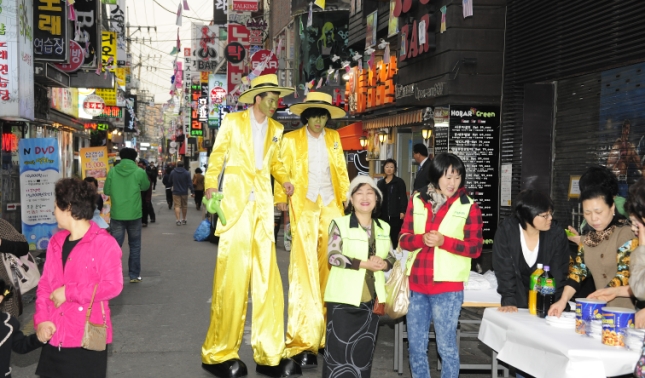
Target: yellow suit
{"type": "Point", "coordinates": [246, 250]}
{"type": "Point", "coordinates": [308, 268]}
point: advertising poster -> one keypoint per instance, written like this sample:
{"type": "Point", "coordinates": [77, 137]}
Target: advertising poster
{"type": "Point", "coordinates": [328, 36]}
{"type": "Point", "coordinates": [50, 31]}
{"type": "Point", "coordinates": [39, 171]}
{"type": "Point", "coordinates": [393, 23]}
{"type": "Point", "coordinates": [216, 97]}
{"type": "Point", "coordinates": [206, 48]}
{"type": "Point", "coordinates": [95, 163]}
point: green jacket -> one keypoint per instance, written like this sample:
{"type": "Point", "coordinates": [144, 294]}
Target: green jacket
{"type": "Point", "coordinates": [124, 185]}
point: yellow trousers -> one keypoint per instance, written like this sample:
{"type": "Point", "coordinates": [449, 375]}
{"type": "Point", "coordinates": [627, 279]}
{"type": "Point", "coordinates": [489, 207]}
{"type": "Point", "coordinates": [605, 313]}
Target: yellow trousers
{"type": "Point", "coordinates": [308, 273]}
{"type": "Point", "coordinates": [246, 254]}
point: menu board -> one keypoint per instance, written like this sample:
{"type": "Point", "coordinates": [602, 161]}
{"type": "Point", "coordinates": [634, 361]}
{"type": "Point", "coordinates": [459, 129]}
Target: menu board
{"type": "Point", "coordinates": [441, 135]}
{"type": "Point", "coordinates": [474, 137]}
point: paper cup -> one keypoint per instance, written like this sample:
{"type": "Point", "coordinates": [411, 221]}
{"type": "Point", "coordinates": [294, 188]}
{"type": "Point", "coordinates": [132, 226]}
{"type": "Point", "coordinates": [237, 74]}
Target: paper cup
{"type": "Point", "coordinates": [615, 321]}
{"type": "Point", "coordinates": [586, 311]}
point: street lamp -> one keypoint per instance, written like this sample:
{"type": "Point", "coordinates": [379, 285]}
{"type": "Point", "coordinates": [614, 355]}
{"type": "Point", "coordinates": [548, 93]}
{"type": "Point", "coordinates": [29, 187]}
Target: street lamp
{"type": "Point", "coordinates": [382, 136]}
{"type": "Point", "coordinates": [426, 133]}
{"type": "Point", "coordinates": [363, 141]}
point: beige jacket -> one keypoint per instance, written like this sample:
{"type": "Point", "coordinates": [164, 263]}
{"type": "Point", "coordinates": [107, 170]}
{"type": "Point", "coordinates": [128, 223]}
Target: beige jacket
{"type": "Point", "coordinates": [637, 272]}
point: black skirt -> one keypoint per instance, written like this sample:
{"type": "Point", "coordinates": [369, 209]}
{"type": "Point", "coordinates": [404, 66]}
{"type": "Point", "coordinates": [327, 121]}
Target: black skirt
{"type": "Point", "coordinates": [71, 363]}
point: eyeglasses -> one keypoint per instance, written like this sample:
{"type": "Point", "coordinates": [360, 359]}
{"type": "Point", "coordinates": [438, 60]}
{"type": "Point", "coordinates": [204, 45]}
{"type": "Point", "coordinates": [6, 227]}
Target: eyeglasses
{"type": "Point", "coordinates": [546, 216]}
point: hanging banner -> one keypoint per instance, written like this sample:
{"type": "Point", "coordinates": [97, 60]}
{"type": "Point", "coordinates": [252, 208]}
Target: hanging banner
{"type": "Point", "coordinates": [87, 20]}
{"type": "Point", "coordinates": [206, 49]}
{"type": "Point", "coordinates": [120, 87]}
{"type": "Point", "coordinates": [94, 163]}
{"type": "Point", "coordinates": [39, 171]}
{"type": "Point", "coordinates": [51, 38]}
{"type": "Point", "coordinates": [116, 20]}
{"type": "Point", "coordinates": [16, 57]}
{"type": "Point", "coordinates": [130, 114]}
{"type": "Point", "coordinates": [216, 98]}
{"type": "Point", "coordinates": [220, 12]}
{"type": "Point", "coordinates": [235, 72]}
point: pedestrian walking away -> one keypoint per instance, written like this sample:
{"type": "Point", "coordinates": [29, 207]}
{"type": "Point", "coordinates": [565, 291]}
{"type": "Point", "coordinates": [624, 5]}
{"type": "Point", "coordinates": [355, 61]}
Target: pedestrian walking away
{"type": "Point", "coordinates": [181, 183]}
{"type": "Point", "coordinates": [147, 209]}
{"type": "Point", "coordinates": [166, 182]}
{"type": "Point", "coordinates": [124, 185]}
{"type": "Point", "coordinates": [198, 184]}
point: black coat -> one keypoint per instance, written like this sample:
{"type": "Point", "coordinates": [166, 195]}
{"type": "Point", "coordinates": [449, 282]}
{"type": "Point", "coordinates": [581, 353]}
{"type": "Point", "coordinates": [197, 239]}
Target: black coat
{"type": "Point", "coordinates": [12, 339]}
{"type": "Point", "coordinates": [396, 202]}
{"type": "Point", "coordinates": [507, 252]}
{"type": "Point", "coordinates": [423, 176]}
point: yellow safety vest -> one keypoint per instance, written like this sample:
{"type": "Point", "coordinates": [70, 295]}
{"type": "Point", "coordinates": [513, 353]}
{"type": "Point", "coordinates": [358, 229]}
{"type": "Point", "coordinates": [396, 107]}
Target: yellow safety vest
{"type": "Point", "coordinates": [448, 267]}
{"type": "Point", "coordinates": [346, 285]}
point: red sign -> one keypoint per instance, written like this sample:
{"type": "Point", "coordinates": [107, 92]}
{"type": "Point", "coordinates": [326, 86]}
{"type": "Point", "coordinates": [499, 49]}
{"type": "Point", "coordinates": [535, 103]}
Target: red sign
{"type": "Point", "coordinates": [245, 5]}
{"type": "Point", "coordinates": [186, 51]}
{"type": "Point", "coordinates": [218, 94]}
{"type": "Point", "coordinates": [93, 105]}
{"type": "Point", "coordinates": [76, 58]}
{"type": "Point", "coordinates": [237, 33]}
{"type": "Point", "coordinates": [268, 58]}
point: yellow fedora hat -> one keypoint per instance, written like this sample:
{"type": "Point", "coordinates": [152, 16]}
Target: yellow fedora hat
{"type": "Point", "coordinates": [261, 84]}
{"type": "Point", "coordinates": [318, 100]}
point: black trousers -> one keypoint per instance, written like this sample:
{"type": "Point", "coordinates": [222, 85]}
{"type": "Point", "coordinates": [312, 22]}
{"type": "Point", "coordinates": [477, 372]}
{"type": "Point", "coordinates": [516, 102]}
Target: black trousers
{"type": "Point", "coordinates": [148, 210]}
{"type": "Point", "coordinates": [395, 228]}
{"type": "Point", "coordinates": [199, 194]}
{"type": "Point", "coordinates": [169, 197]}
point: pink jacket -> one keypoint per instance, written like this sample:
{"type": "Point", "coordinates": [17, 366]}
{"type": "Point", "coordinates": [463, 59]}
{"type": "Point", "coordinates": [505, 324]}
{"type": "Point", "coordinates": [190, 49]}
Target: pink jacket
{"type": "Point", "coordinates": [96, 259]}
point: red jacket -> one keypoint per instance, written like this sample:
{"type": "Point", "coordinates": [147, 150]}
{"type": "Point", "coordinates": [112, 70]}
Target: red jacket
{"type": "Point", "coordinates": [96, 259]}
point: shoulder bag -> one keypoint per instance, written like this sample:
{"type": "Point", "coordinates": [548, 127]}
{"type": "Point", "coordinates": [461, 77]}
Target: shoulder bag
{"type": "Point", "coordinates": [23, 271]}
{"type": "Point", "coordinates": [95, 335]}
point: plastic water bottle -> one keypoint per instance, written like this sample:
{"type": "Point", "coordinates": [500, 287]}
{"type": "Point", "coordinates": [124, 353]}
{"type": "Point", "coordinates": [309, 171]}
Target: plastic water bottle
{"type": "Point", "coordinates": [546, 295]}
{"type": "Point", "coordinates": [534, 287]}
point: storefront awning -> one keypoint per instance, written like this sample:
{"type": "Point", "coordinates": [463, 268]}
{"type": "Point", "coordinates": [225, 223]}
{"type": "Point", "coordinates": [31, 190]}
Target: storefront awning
{"type": "Point", "coordinates": [404, 119]}
{"type": "Point", "coordinates": [349, 136]}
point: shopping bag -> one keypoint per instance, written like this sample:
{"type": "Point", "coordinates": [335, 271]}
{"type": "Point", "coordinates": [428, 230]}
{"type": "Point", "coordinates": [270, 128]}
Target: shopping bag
{"type": "Point", "coordinates": [397, 288]}
{"type": "Point", "coordinates": [203, 230]}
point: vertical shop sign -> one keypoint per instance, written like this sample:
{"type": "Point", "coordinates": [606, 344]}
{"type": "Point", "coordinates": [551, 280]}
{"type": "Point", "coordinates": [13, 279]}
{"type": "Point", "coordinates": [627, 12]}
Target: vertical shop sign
{"type": "Point", "coordinates": [16, 60]}
{"type": "Point", "coordinates": [240, 34]}
{"type": "Point", "coordinates": [117, 25]}
{"type": "Point", "coordinates": [196, 126]}
{"type": "Point", "coordinates": [220, 12]}
{"type": "Point", "coordinates": [130, 122]}
{"type": "Point", "coordinates": [87, 20]}
{"type": "Point", "coordinates": [216, 97]}
{"type": "Point", "coordinates": [39, 171]}
{"type": "Point", "coordinates": [108, 50]}
{"type": "Point", "coordinates": [51, 38]}
{"type": "Point", "coordinates": [94, 162]}
{"type": "Point", "coordinates": [188, 98]}
{"type": "Point", "coordinates": [205, 47]}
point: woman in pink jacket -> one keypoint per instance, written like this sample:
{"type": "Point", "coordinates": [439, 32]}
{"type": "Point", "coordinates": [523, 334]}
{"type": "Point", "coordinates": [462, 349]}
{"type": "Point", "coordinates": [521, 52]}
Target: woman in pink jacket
{"type": "Point", "coordinates": [79, 257]}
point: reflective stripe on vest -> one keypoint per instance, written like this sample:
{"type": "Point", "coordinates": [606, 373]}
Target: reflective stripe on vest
{"type": "Point", "coordinates": [346, 285]}
{"type": "Point", "coordinates": [448, 267]}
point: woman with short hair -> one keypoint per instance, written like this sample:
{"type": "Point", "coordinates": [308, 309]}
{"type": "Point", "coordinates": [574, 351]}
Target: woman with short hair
{"type": "Point", "coordinates": [83, 264]}
{"type": "Point", "coordinates": [395, 200]}
{"type": "Point", "coordinates": [527, 238]}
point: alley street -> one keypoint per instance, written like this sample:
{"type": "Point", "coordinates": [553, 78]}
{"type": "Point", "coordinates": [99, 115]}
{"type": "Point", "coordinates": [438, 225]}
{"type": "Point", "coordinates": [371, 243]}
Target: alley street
{"type": "Point", "coordinates": [160, 324]}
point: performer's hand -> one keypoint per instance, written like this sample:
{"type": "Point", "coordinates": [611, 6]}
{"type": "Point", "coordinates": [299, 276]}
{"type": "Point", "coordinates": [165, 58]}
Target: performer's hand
{"type": "Point", "coordinates": [282, 206]}
{"type": "Point", "coordinates": [401, 215]}
{"type": "Point", "coordinates": [288, 187]}
{"type": "Point", "coordinates": [210, 192]}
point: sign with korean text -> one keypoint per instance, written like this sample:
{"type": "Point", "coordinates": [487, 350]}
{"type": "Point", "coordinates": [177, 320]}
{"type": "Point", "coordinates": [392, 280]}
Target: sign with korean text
{"type": "Point", "coordinates": [220, 11]}
{"type": "Point", "coordinates": [51, 37]}
{"type": "Point", "coordinates": [65, 100]}
{"type": "Point", "coordinates": [266, 57]}
{"type": "Point", "coordinates": [39, 170]}
{"type": "Point", "coordinates": [206, 49]}
{"type": "Point", "coordinates": [111, 112]}
{"type": "Point", "coordinates": [94, 163]}
{"type": "Point", "coordinates": [217, 98]}
{"type": "Point", "coordinates": [245, 5]}
{"type": "Point", "coordinates": [108, 50]}
{"type": "Point", "coordinates": [116, 20]}
{"type": "Point", "coordinates": [199, 111]}
{"type": "Point", "coordinates": [93, 105]}
{"type": "Point", "coordinates": [75, 58]}
{"type": "Point", "coordinates": [88, 21]}
{"type": "Point", "coordinates": [16, 60]}
{"type": "Point", "coordinates": [130, 114]}
{"type": "Point", "coordinates": [236, 34]}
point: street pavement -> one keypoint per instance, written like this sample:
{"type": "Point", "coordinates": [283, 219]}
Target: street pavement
{"type": "Point", "coordinates": [160, 323]}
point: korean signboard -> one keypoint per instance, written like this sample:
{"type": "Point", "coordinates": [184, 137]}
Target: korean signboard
{"type": "Point", "coordinates": [245, 5]}
{"type": "Point", "coordinates": [65, 100]}
{"type": "Point", "coordinates": [16, 60]}
{"type": "Point", "coordinates": [199, 113]}
{"type": "Point", "coordinates": [88, 18]}
{"type": "Point", "coordinates": [205, 47]}
{"type": "Point", "coordinates": [130, 114]}
{"type": "Point", "coordinates": [220, 11]}
{"type": "Point", "coordinates": [39, 171]}
{"type": "Point", "coordinates": [108, 50]}
{"type": "Point", "coordinates": [216, 97]}
{"type": "Point", "coordinates": [240, 34]}
{"type": "Point", "coordinates": [51, 36]}
{"type": "Point", "coordinates": [117, 25]}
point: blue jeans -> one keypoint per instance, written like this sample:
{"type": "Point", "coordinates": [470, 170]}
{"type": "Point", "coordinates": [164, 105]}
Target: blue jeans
{"type": "Point", "coordinates": [443, 310]}
{"type": "Point", "coordinates": [133, 227]}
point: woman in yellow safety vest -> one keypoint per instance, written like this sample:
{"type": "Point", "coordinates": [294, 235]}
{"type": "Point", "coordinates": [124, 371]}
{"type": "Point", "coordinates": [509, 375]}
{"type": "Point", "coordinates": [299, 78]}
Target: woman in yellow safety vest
{"type": "Point", "coordinates": [359, 251]}
{"type": "Point", "coordinates": [443, 228]}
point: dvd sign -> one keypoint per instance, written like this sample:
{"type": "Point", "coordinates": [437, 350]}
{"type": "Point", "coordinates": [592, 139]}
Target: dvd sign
{"type": "Point", "coordinates": [267, 58]}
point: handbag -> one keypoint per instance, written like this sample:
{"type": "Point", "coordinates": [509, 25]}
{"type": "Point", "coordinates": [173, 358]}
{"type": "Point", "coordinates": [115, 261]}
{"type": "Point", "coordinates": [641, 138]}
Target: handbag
{"type": "Point", "coordinates": [24, 271]}
{"type": "Point", "coordinates": [397, 288]}
{"type": "Point", "coordinates": [379, 307]}
{"type": "Point", "coordinates": [94, 335]}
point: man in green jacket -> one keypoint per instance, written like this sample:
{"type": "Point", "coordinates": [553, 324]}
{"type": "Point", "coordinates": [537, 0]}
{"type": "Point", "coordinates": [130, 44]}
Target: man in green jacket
{"type": "Point", "coordinates": [124, 185]}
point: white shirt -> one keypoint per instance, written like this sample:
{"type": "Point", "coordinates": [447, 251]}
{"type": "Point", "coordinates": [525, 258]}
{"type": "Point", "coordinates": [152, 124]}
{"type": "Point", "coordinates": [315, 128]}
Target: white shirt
{"type": "Point", "coordinates": [258, 132]}
{"type": "Point", "coordinates": [530, 256]}
{"type": "Point", "coordinates": [319, 171]}
{"type": "Point", "coordinates": [422, 163]}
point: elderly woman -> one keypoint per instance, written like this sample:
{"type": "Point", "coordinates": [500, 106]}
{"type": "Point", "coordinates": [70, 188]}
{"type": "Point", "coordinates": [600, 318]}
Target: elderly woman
{"type": "Point", "coordinates": [522, 241]}
{"type": "Point", "coordinates": [359, 246]}
{"type": "Point", "coordinates": [604, 252]}
{"type": "Point", "coordinates": [91, 261]}
{"type": "Point", "coordinates": [443, 228]}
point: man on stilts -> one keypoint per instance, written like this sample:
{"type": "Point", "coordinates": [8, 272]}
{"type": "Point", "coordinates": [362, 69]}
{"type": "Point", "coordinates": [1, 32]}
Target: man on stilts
{"type": "Point", "coordinates": [314, 160]}
{"type": "Point", "coordinates": [248, 143]}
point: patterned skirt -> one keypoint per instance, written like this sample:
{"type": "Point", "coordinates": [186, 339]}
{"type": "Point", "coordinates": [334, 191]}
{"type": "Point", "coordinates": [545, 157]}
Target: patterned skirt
{"type": "Point", "coordinates": [351, 338]}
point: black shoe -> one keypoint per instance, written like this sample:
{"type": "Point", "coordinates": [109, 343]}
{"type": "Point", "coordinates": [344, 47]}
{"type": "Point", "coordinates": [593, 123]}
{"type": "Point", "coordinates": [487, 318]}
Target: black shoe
{"type": "Point", "coordinates": [228, 369]}
{"type": "Point", "coordinates": [152, 221]}
{"type": "Point", "coordinates": [170, 207]}
{"type": "Point", "coordinates": [144, 224]}
{"type": "Point", "coordinates": [306, 360]}
{"type": "Point", "coordinates": [287, 368]}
